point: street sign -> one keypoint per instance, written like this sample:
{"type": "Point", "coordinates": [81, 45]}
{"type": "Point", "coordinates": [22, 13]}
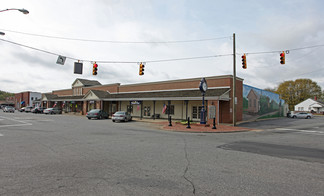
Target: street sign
{"type": "Point", "coordinates": [61, 60]}
{"type": "Point", "coordinates": [211, 111]}
{"type": "Point", "coordinates": [78, 68]}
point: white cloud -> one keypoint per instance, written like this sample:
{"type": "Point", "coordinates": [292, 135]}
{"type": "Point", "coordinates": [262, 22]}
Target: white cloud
{"type": "Point", "coordinates": [258, 26]}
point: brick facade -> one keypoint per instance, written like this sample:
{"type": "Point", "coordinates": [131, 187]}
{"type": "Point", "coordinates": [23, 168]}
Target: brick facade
{"type": "Point", "coordinates": [153, 96]}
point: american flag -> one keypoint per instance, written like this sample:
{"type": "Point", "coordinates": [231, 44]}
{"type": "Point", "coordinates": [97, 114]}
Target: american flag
{"type": "Point", "coordinates": [164, 108]}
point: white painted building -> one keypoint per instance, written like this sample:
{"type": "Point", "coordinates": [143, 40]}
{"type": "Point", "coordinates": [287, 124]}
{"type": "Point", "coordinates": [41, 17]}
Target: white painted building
{"type": "Point", "coordinates": [310, 105]}
{"type": "Point", "coordinates": [34, 98]}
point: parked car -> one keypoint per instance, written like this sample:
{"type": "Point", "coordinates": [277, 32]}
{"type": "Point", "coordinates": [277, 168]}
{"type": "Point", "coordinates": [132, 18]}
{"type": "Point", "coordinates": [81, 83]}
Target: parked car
{"type": "Point", "coordinates": [38, 110]}
{"type": "Point", "coordinates": [302, 115]}
{"type": "Point", "coordinates": [28, 109]}
{"type": "Point", "coordinates": [52, 111]}
{"type": "Point", "coordinates": [121, 116]}
{"type": "Point", "coordinates": [9, 109]}
{"type": "Point", "coordinates": [97, 113]}
{"type": "Point", "coordinates": [22, 109]}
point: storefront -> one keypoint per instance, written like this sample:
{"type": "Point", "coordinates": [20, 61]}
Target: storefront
{"type": "Point", "coordinates": [177, 98]}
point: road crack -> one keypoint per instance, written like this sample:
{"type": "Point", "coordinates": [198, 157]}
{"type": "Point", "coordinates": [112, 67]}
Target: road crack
{"type": "Point", "coordinates": [187, 168]}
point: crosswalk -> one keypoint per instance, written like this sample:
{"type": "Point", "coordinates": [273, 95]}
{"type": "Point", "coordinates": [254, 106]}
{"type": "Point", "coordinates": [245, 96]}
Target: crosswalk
{"type": "Point", "coordinates": [304, 131]}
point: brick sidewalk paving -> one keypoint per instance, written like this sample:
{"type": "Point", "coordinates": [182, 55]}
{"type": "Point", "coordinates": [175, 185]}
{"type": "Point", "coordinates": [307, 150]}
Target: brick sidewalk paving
{"type": "Point", "coordinates": [197, 128]}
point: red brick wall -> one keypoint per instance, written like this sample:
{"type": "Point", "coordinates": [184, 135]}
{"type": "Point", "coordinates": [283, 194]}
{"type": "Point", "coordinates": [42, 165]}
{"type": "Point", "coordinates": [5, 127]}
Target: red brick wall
{"type": "Point", "coordinates": [23, 96]}
{"type": "Point", "coordinates": [182, 84]}
{"type": "Point", "coordinates": [66, 92]}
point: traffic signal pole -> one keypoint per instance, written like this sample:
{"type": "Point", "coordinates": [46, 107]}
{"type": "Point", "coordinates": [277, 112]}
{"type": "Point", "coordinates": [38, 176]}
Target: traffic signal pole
{"type": "Point", "coordinates": [234, 81]}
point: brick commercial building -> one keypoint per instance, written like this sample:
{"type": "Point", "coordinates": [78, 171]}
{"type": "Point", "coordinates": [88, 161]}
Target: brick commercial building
{"type": "Point", "coordinates": [177, 98]}
{"type": "Point", "coordinates": [27, 98]}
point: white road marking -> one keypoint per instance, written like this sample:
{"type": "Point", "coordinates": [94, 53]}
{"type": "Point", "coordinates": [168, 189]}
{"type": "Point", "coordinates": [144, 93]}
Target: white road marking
{"type": "Point", "coordinates": [285, 129]}
{"type": "Point", "coordinates": [311, 132]}
{"type": "Point", "coordinates": [16, 125]}
{"type": "Point", "coordinates": [303, 131]}
{"type": "Point", "coordinates": [1, 134]}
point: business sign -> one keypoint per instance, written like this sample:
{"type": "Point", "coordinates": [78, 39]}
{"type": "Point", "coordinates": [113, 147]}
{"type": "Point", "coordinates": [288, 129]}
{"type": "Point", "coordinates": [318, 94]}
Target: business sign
{"type": "Point", "coordinates": [136, 102]}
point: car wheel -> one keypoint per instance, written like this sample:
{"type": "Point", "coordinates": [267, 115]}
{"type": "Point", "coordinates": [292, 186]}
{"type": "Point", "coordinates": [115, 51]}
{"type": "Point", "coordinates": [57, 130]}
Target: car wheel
{"type": "Point", "coordinates": [308, 117]}
{"type": "Point", "coordinates": [100, 117]}
{"type": "Point", "coordinates": [89, 118]}
{"type": "Point", "coordinates": [113, 120]}
{"type": "Point", "coordinates": [294, 116]}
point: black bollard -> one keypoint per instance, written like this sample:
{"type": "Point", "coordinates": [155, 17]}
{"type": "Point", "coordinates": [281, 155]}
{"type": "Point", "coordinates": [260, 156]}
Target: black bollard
{"type": "Point", "coordinates": [188, 127]}
{"type": "Point", "coordinates": [170, 123]}
{"type": "Point", "coordinates": [214, 124]}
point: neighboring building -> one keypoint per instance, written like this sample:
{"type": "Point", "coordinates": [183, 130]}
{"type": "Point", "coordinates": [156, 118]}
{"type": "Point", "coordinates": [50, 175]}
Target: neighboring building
{"type": "Point", "coordinates": [27, 98]}
{"type": "Point", "coordinates": [258, 104]}
{"type": "Point", "coordinates": [177, 98]}
{"type": "Point", "coordinates": [310, 105]}
{"type": "Point", "coordinates": [10, 101]}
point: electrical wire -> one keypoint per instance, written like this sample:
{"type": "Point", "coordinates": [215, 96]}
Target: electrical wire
{"type": "Point", "coordinates": [287, 50]}
{"type": "Point", "coordinates": [117, 42]}
{"type": "Point", "coordinates": [115, 62]}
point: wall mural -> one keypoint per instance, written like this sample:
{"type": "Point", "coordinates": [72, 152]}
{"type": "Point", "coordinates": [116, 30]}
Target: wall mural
{"type": "Point", "coordinates": [259, 104]}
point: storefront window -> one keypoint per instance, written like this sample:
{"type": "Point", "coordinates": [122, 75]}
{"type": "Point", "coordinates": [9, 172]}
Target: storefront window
{"type": "Point", "coordinates": [130, 109]}
{"type": "Point", "coordinates": [147, 111]}
{"type": "Point", "coordinates": [196, 112]}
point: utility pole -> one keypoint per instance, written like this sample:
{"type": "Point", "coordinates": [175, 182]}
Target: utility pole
{"type": "Point", "coordinates": [234, 81]}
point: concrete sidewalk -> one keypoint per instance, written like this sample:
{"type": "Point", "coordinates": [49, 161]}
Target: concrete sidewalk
{"type": "Point", "coordinates": [195, 128]}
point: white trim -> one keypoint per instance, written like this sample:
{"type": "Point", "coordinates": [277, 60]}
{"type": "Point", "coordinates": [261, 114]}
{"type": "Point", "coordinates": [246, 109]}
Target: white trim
{"type": "Point", "coordinates": [186, 89]}
{"type": "Point", "coordinates": [165, 99]}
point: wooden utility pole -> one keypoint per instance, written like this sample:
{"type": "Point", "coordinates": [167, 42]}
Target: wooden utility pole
{"type": "Point", "coordinates": [234, 81]}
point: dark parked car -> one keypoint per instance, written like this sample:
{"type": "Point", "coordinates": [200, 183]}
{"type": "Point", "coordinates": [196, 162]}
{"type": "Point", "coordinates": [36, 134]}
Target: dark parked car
{"type": "Point", "coordinates": [97, 113]}
{"type": "Point", "coordinates": [38, 110]}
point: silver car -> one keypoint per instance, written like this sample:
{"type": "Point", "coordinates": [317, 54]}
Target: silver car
{"type": "Point", "coordinates": [121, 116]}
{"type": "Point", "coordinates": [9, 109]}
{"type": "Point", "coordinates": [302, 115]}
{"type": "Point", "coordinates": [52, 111]}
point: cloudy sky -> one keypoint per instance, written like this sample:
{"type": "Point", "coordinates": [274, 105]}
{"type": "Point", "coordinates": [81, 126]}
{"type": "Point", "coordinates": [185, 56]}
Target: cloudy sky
{"type": "Point", "coordinates": [130, 31]}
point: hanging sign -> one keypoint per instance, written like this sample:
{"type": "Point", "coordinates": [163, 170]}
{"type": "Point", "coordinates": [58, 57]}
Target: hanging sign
{"type": "Point", "coordinates": [61, 60]}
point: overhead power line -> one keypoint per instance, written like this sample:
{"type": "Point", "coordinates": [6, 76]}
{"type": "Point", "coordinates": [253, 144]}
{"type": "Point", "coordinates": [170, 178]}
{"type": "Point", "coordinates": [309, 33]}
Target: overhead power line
{"type": "Point", "coordinates": [117, 42]}
{"type": "Point", "coordinates": [115, 62]}
{"type": "Point", "coordinates": [287, 50]}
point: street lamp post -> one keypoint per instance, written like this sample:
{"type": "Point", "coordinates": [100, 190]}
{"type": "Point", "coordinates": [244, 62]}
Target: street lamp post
{"type": "Point", "coordinates": [203, 88]}
{"type": "Point", "coordinates": [24, 11]}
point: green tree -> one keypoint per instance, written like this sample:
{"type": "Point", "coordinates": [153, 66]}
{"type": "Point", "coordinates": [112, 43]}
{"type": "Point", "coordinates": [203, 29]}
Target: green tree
{"type": "Point", "coordinates": [294, 92]}
{"type": "Point", "coordinates": [4, 95]}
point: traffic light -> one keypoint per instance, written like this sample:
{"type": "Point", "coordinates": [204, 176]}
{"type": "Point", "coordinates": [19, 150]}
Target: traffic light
{"type": "Point", "coordinates": [282, 58]}
{"type": "Point", "coordinates": [95, 69]}
{"type": "Point", "coordinates": [141, 69]}
{"type": "Point", "coordinates": [244, 65]}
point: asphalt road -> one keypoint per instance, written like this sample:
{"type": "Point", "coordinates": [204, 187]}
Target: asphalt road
{"type": "Point", "coordinates": [70, 155]}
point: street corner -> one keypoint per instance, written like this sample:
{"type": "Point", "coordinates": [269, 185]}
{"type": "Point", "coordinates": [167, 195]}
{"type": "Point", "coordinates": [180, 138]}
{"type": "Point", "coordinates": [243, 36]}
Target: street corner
{"type": "Point", "coordinates": [199, 128]}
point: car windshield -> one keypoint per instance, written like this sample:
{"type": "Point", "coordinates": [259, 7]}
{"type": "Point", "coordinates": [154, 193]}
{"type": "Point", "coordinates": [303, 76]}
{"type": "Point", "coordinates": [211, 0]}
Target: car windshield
{"type": "Point", "coordinates": [94, 111]}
